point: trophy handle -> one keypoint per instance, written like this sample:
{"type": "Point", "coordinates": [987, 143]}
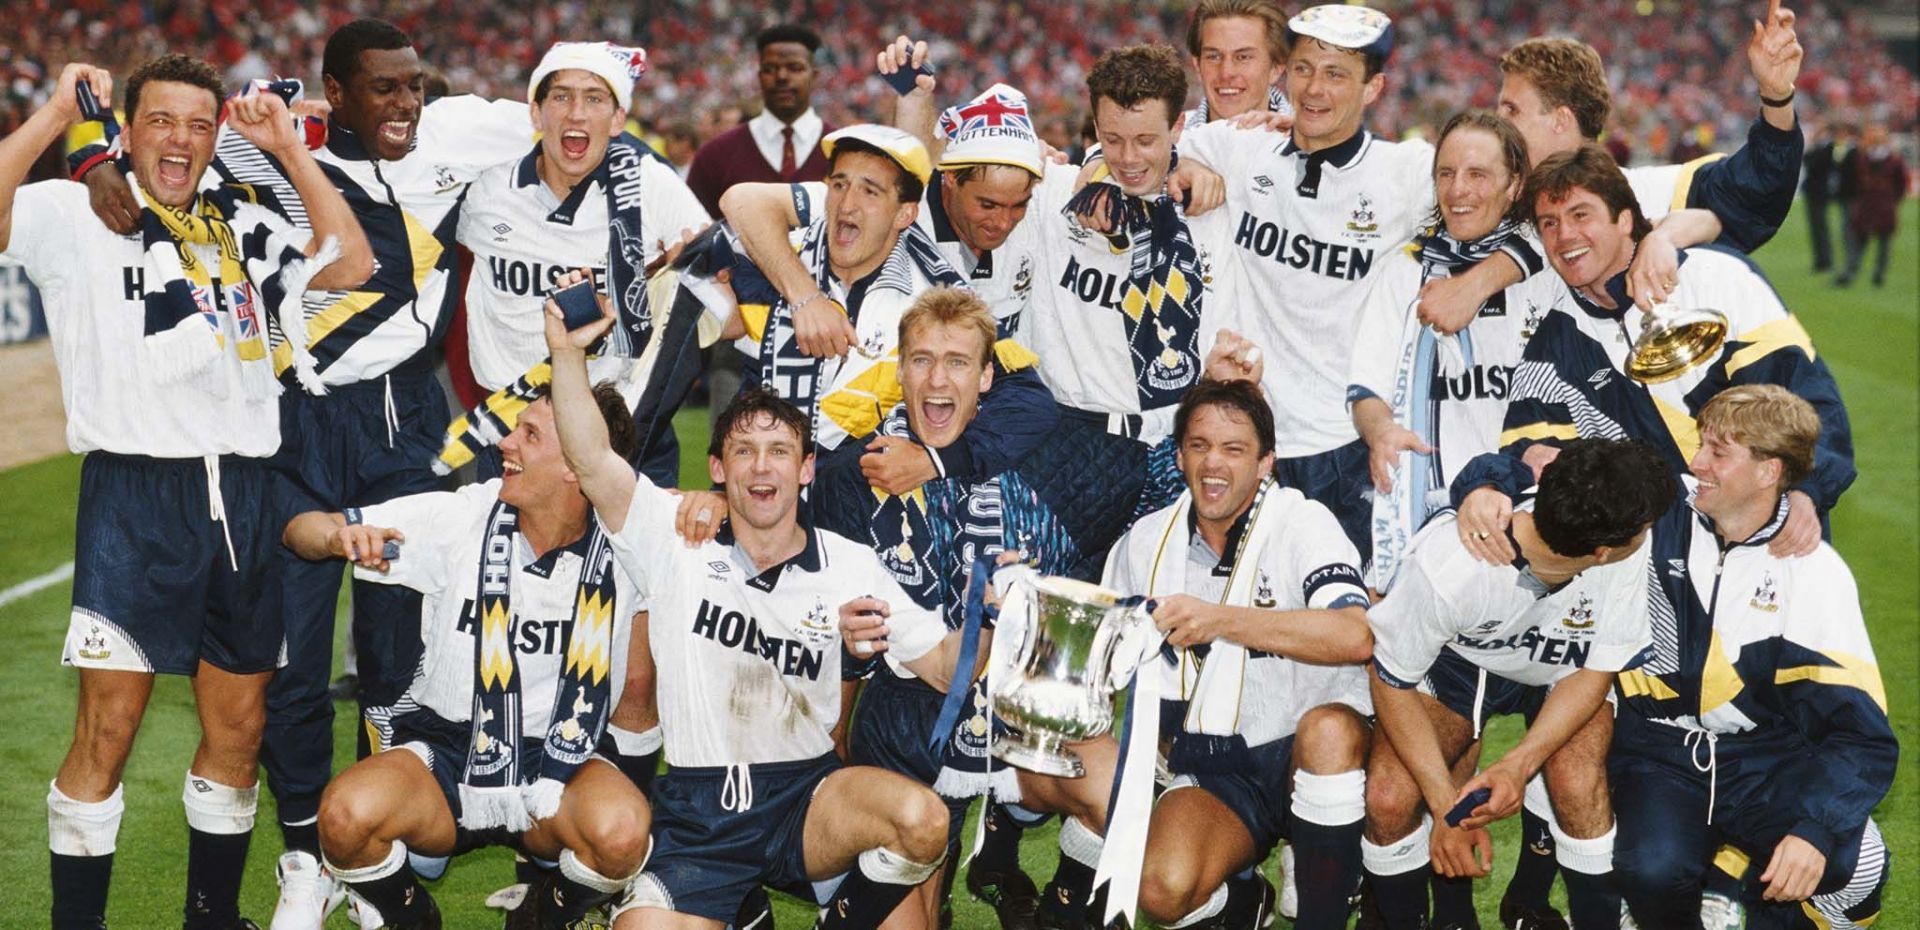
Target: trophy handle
{"type": "Point", "coordinates": [1138, 642]}
{"type": "Point", "coordinates": [1015, 627]}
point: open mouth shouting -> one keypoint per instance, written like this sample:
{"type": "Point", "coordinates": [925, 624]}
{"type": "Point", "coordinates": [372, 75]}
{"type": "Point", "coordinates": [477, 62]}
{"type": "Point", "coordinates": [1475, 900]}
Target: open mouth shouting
{"type": "Point", "coordinates": [396, 131]}
{"type": "Point", "coordinates": [174, 170]}
{"type": "Point", "coordinates": [762, 493]}
{"type": "Point", "coordinates": [510, 468]}
{"type": "Point", "coordinates": [845, 232]}
{"type": "Point", "coordinates": [1214, 490]}
{"type": "Point", "coordinates": [574, 143]}
{"type": "Point", "coordinates": [938, 413]}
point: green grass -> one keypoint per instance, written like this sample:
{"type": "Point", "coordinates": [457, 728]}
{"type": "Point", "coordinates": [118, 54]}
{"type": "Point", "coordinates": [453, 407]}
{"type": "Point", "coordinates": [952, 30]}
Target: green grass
{"type": "Point", "coordinates": [1870, 337]}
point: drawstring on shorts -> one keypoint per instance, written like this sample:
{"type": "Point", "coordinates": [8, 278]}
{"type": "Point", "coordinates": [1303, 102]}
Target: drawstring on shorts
{"type": "Point", "coordinates": [737, 794]}
{"type": "Point", "coordinates": [217, 506]}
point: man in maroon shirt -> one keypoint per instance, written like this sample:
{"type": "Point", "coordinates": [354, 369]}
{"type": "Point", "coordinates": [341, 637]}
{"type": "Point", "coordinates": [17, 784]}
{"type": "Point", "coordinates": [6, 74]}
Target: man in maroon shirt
{"type": "Point", "coordinates": [783, 142]}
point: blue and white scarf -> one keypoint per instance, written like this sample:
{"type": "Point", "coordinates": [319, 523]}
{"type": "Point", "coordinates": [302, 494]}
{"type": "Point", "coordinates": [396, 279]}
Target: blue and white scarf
{"type": "Point", "coordinates": [491, 790]}
{"type": "Point", "coordinates": [1160, 305]}
{"type": "Point", "coordinates": [1419, 488]}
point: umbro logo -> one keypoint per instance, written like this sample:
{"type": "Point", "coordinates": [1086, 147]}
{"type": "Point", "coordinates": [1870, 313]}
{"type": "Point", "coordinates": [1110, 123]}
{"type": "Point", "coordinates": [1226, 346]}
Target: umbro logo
{"type": "Point", "coordinates": [1677, 568]}
{"type": "Point", "coordinates": [1600, 377]}
{"type": "Point", "coordinates": [1263, 183]}
{"type": "Point", "coordinates": [501, 229]}
{"type": "Point", "coordinates": [719, 567]}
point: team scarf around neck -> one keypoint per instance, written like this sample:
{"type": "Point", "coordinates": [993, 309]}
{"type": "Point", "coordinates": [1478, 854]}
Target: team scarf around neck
{"type": "Point", "coordinates": [1160, 306]}
{"type": "Point", "coordinates": [1418, 486]}
{"type": "Point", "coordinates": [1213, 678]}
{"type": "Point", "coordinates": [186, 294]}
{"type": "Point", "coordinates": [492, 792]}
{"type": "Point", "coordinates": [618, 179]}
{"type": "Point", "coordinates": [854, 392]}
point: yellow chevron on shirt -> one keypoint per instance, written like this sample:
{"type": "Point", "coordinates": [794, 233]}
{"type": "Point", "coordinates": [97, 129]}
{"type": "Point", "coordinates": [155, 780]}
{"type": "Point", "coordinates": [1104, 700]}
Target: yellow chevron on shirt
{"type": "Point", "coordinates": [754, 317]}
{"type": "Point", "coordinates": [1762, 341]}
{"type": "Point", "coordinates": [1537, 431]}
{"type": "Point", "coordinates": [425, 251]}
{"type": "Point", "coordinates": [1683, 185]}
{"type": "Point", "coordinates": [1684, 429]}
{"type": "Point", "coordinates": [1635, 683]}
{"type": "Point", "coordinates": [1719, 681]}
{"type": "Point", "coordinates": [1846, 671]}
{"type": "Point", "coordinates": [858, 406]}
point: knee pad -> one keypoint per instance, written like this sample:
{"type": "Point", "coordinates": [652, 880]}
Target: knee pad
{"type": "Point", "coordinates": [887, 867]}
{"type": "Point", "coordinates": [573, 868]}
{"type": "Point", "coordinates": [395, 860]}
{"type": "Point", "coordinates": [1400, 856]}
{"type": "Point", "coordinates": [216, 808]}
{"type": "Point", "coordinates": [1330, 800]}
{"type": "Point", "coordinates": [83, 828]}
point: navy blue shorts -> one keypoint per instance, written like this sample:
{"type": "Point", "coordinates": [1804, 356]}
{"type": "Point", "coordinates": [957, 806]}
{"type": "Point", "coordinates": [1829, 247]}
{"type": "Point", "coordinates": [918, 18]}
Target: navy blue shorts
{"type": "Point", "coordinates": [1455, 682]}
{"type": "Point", "coordinates": [708, 853]}
{"type": "Point", "coordinates": [155, 587]}
{"type": "Point", "coordinates": [1340, 480]}
{"type": "Point", "coordinates": [891, 729]}
{"type": "Point", "coordinates": [442, 745]}
{"type": "Point", "coordinates": [1262, 797]}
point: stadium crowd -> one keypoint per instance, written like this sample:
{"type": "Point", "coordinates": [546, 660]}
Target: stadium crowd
{"type": "Point", "coordinates": [1672, 63]}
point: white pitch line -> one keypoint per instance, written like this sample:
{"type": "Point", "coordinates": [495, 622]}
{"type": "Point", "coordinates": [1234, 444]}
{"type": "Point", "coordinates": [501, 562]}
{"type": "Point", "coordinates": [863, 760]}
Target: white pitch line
{"type": "Point", "coordinates": [32, 586]}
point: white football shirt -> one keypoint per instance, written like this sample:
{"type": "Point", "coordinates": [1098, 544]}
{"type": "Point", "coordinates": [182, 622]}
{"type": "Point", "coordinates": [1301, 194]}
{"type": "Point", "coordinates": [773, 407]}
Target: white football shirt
{"type": "Point", "coordinates": [445, 533]}
{"type": "Point", "coordinates": [1302, 263]}
{"type": "Point", "coordinates": [520, 249]}
{"type": "Point", "coordinates": [749, 661]}
{"type": "Point", "coordinates": [90, 280]}
{"type": "Point", "coordinates": [1502, 621]}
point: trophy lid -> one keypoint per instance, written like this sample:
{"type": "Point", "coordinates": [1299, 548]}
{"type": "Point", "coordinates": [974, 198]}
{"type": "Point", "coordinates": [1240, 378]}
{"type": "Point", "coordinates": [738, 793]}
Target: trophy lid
{"type": "Point", "coordinates": [1076, 590]}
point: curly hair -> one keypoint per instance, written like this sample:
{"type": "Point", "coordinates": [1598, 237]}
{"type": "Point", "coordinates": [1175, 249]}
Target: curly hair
{"type": "Point", "coordinates": [1600, 493]}
{"type": "Point", "coordinates": [180, 69]}
{"type": "Point", "coordinates": [1134, 74]}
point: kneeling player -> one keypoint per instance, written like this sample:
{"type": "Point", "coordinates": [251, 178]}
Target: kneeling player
{"type": "Point", "coordinates": [1458, 641]}
{"type": "Point", "coordinates": [1260, 592]}
{"type": "Point", "coordinates": [1761, 720]}
{"type": "Point", "coordinates": [524, 648]}
{"type": "Point", "coordinates": [748, 659]}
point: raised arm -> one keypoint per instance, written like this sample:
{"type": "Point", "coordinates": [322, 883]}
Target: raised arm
{"type": "Point", "coordinates": [605, 477]}
{"type": "Point", "coordinates": [22, 147]}
{"type": "Point", "coordinates": [263, 120]}
{"type": "Point", "coordinates": [762, 215]}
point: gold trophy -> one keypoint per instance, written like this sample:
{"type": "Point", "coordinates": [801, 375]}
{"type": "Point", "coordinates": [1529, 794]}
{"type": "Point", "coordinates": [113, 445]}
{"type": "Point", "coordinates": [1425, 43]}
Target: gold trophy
{"type": "Point", "coordinates": [1673, 341]}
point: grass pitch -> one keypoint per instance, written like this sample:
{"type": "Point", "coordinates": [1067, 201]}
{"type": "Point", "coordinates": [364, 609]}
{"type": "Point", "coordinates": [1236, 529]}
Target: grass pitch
{"type": "Point", "coordinates": [1870, 337]}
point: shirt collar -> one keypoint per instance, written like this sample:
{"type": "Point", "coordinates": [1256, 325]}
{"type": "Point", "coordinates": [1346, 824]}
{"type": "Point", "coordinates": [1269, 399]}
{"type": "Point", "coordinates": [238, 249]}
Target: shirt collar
{"type": "Point", "coordinates": [1339, 156]}
{"type": "Point", "coordinates": [528, 172]}
{"type": "Point", "coordinates": [808, 559]}
{"type": "Point", "coordinates": [1616, 287]}
{"type": "Point", "coordinates": [767, 127]}
{"type": "Point", "coordinates": [1761, 536]}
{"type": "Point", "coordinates": [1224, 567]}
{"type": "Point", "coordinates": [345, 144]}
{"type": "Point", "coordinates": [543, 566]}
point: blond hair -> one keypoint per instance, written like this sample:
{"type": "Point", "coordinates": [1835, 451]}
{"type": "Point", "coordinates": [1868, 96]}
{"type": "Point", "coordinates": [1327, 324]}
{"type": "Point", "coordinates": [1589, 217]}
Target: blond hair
{"type": "Point", "coordinates": [1566, 73]}
{"type": "Point", "coordinates": [949, 306]}
{"type": "Point", "coordinates": [1771, 421]}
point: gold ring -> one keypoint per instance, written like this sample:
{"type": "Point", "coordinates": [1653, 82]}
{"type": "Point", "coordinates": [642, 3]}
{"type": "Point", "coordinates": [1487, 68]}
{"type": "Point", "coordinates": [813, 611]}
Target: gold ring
{"type": "Point", "coordinates": [1483, 534]}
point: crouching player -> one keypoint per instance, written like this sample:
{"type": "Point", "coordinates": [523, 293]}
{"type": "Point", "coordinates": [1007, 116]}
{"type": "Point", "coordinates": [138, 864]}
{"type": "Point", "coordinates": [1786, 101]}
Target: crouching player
{"type": "Point", "coordinates": [743, 630]}
{"type": "Point", "coordinates": [1259, 592]}
{"type": "Point", "coordinates": [1457, 641]}
{"type": "Point", "coordinates": [526, 639]}
{"type": "Point", "coordinates": [1761, 721]}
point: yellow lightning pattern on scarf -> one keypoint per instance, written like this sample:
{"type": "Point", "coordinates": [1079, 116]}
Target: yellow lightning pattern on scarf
{"type": "Point", "coordinates": [496, 648]}
{"type": "Point", "coordinates": [587, 647]}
